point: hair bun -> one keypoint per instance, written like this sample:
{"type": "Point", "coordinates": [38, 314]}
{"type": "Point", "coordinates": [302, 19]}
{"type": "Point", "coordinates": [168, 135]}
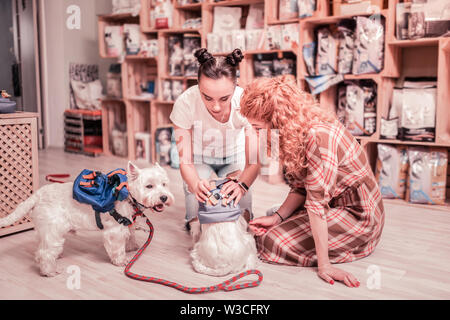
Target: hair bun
{"type": "Point", "coordinates": [203, 55]}
{"type": "Point", "coordinates": [235, 57]}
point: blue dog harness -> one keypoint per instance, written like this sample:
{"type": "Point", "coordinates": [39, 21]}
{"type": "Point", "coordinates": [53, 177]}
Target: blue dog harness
{"type": "Point", "coordinates": [219, 212]}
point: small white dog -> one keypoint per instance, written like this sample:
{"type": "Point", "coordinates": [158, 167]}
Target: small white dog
{"type": "Point", "coordinates": [222, 248]}
{"type": "Point", "coordinates": [55, 213]}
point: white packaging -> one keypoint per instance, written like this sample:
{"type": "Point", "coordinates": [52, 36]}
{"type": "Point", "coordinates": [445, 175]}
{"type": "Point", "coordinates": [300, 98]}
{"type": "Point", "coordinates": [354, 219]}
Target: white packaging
{"type": "Point", "coordinates": [132, 34]}
{"type": "Point", "coordinates": [114, 41]}
{"type": "Point", "coordinates": [214, 43]}
{"type": "Point", "coordinates": [290, 36]}
{"type": "Point", "coordinates": [227, 19]}
{"type": "Point", "coordinates": [143, 146]}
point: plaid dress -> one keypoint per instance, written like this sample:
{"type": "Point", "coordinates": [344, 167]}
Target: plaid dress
{"type": "Point", "coordinates": [340, 187]}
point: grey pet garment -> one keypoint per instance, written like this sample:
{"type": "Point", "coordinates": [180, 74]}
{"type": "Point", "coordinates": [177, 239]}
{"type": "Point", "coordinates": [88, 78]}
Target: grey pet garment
{"type": "Point", "coordinates": [218, 213]}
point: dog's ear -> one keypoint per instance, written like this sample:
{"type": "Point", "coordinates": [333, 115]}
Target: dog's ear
{"type": "Point", "coordinates": [133, 170]}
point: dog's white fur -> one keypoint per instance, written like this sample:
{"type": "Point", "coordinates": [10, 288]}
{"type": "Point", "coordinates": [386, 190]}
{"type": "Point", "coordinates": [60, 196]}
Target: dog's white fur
{"type": "Point", "coordinates": [55, 213]}
{"type": "Point", "coordinates": [223, 248]}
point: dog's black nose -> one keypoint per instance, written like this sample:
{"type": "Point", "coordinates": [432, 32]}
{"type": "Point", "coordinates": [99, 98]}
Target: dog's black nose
{"type": "Point", "coordinates": [163, 198]}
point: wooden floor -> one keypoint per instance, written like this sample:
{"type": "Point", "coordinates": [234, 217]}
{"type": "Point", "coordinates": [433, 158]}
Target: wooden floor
{"type": "Point", "coordinates": [413, 257]}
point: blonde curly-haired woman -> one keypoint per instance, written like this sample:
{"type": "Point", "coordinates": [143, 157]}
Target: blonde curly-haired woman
{"type": "Point", "coordinates": [334, 212]}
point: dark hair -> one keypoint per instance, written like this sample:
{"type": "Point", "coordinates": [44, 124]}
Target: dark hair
{"type": "Point", "coordinates": [216, 68]}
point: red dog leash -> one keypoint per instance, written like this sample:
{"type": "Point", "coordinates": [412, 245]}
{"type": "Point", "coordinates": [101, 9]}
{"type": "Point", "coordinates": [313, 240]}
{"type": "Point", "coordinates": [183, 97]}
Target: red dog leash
{"type": "Point", "coordinates": [225, 286]}
{"type": "Point", "coordinates": [50, 177]}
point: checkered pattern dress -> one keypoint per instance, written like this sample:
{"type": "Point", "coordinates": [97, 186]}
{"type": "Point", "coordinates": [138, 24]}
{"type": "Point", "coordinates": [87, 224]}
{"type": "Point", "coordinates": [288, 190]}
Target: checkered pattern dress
{"type": "Point", "coordinates": [340, 187]}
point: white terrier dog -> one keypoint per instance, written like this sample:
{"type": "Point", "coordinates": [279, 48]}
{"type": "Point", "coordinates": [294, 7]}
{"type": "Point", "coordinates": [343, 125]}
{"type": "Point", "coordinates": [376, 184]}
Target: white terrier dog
{"type": "Point", "coordinates": [221, 248]}
{"type": "Point", "coordinates": [55, 213]}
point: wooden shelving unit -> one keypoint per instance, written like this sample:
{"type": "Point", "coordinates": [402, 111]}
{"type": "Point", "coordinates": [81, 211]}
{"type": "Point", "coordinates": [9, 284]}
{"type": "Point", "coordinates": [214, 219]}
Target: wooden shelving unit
{"type": "Point", "coordinates": [401, 58]}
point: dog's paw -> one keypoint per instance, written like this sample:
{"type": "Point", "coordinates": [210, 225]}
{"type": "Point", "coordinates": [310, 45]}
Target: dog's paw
{"type": "Point", "coordinates": [120, 262]}
{"type": "Point", "coordinates": [50, 273]}
{"type": "Point", "coordinates": [131, 246]}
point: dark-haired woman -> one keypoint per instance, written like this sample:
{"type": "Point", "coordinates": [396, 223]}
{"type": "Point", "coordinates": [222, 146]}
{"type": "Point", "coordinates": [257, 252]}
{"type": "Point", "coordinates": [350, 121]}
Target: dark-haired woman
{"type": "Point", "coordinates": [211, 135]}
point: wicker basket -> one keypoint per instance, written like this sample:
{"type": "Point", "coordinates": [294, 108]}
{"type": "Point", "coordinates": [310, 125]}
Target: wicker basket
{"type": "Point", "coordinates": [18, 165]}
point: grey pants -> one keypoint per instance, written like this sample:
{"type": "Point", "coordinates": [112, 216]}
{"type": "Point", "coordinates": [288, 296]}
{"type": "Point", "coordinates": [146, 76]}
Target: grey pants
{"type": "Point", "coordinates": [222, 169]}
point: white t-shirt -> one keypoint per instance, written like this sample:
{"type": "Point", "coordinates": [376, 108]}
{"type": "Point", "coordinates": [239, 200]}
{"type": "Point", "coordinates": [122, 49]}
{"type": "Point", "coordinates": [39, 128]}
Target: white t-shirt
{"type": "Point", "coordinates": [211, 138]}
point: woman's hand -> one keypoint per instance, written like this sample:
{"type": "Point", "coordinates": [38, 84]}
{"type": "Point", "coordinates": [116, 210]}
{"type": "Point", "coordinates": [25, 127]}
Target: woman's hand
{"type": "Point", "coordinates": [330, 273]}
{"type": "Point", "coordinates": [260, 225]}
{"type": "Point", "coordinates": [201, 190]}
{"type": "Point", "coordinates": [234, 192]}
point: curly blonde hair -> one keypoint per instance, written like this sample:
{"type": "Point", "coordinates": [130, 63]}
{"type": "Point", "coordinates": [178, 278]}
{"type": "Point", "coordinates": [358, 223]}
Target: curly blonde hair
{"type": "Point", "coordinates": [292, 111]}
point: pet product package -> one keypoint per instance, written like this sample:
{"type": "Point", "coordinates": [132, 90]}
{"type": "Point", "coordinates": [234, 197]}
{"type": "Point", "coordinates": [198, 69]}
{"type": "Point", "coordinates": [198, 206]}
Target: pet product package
{"type": "Point", "coordinates": [132, 34]}
{"type": "Point", "coordinates": [167, 90]}
{"type": "Point", "coordinates": [318, 84]}
{"type": "Point", "coordinates": [309, 54]}
{"type": "Point", "coordinates": [389, 128]}
{"type": "Point", "coordinates": [360, 107]}
{"type": "Point", "coordinates": [392, 170]}
{"type": "Point", "coordinates": [403, 11]}
{"type": "Point", "coordinates": [114, 81]}
{"type": "Point", "coordinates": [368, 54]}
{"type": "Point", "coordinates": [273, 37]}
{"type": "Point", "coordinates": [290, 36]}
{"type": "Point", "coordinates": [176, 55]}
{"type": "Point", "coordinates": [327, 51]}
{"type": "Point", "coordinates": [114, 41]}
{"type": "Point", "coordinates": [163, 14]}
{"type": "Point", "coordinates": [149, 48]}
{"type": "Point", "coordinates": [88, 95]}
{"type": "Point", "coordinates": [288, 9]}
{"type": "Point", "coordinates": [418, 116]}
{"type": "Point", "coordinates": [163, 144]}
{"type": "Point", "coordinates": [126, 6]}
{"type": "Point", "coordinates": [194, 23]}
{"type": "Point", "coordinates": [191, 43]}
{"type": "Point", "coordinates": [177, 89]}
{"type": "Point", "coordinates": [226, 19]}
{"type": "Point", "coordinates": [254, 39]}
{"type": "Point", "coordinates": [255, 18]}
{"type": "Point", "coordinates": [227, 41]}
{"type": "Point", "coordinates": [416, 21]}
{"type": "Point", "coordinates": [143, 146]}
{"type": "Point", "coordinates": [354, 116]}
{"type": "Point", "coordinates": [263, 66]}
{"type": "Point", "coordinates": [284, 66]}
{"type": "Point", "coordinates": [306, 8]}
{"type": "Point", "coordinates": [214, 42]}
{"type": "Point", "coordinates": [346, 45]}
{"type": "Point", "coordinates": [119, 143]}
{"type": "Point", "coordinates": [238, 39]}
{"type": "Point", "coordinates": [427, 175]}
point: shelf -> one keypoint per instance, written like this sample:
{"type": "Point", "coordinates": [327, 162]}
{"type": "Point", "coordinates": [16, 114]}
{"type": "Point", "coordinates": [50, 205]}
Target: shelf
{"type": "Point", "coordinates": [118, 17]}
{"type": "Point", "coordinates": [254, 52]}
{"type": "Point", "coordinates": [139, 57]}
{"type": "Point", "coordinates": [412, 143]}
{"type": "Point", "coordinates": [179, 78]}
{"type": "Point", "coordinates": [288, 21]}
{"type": "Point", "coordinates": [233, 3]}
{"type": "Point", "coordinates": [141, 99]}
{"type": "Point", "coordinates": [164, 102]}
{"type": "Point", "coordinates": [165, 31]}
{"type": "Point", "coordinates": [335, 19]}
{"type": "Point", "coordinates": [190, 7]}
{"type": "Point", "coordinates": [445, 207]}
{"type": "Point", "coordinates": [424, 42]}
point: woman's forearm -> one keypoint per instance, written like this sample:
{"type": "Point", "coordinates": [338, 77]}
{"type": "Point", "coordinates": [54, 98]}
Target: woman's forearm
{"type": "Point", "coordinates": [291, 204]}
{"type": "Point", "coordinates": [189, 175]}
{"type": "Point", "coordinates": [250, 173]}
{"type": "Point", "coordinates": [319, 228]}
